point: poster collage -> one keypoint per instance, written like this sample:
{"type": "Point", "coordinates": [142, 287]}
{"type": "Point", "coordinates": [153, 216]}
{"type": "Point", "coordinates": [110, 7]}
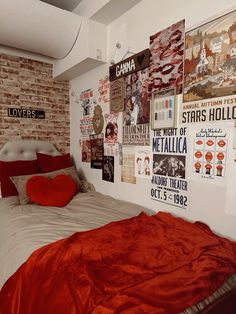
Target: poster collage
{"type": "Point", "coordinates": [184, 78]}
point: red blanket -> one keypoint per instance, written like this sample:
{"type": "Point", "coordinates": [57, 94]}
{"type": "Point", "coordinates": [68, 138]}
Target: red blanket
{"type": "Point", "coordinates": [158, 264]}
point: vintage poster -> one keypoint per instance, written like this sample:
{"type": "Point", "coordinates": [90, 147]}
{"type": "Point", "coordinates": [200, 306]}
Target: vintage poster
{"type": "Point", "coordinates": [210, 60]}
{"type": "Point", "coordinates": [86, 151]}
{"type": "Point", "coordinates": [128, 167]}
{"type": "Point", "coordinates": [86, 127]}
{"type": "Point", "coordinates": [169, 181]}
{"type": "Point", "coordinates": [117, 95]}
{"type": "Point", "coordinates": [103, 91]}
{"type": "Point", "coordinates": [108, 168]}
{"type": "Point", "coordinates": [87, 101]}
{"type": "Point", "coordinates": [143, 162]}
{"type": "Point", "coordinates": [136, 116]}
{"type": "Point", "coordinates": [96, 142]}
{"type": "Point", "coordinates": [111, 134]}
{"type": "Point", "coordinates": [209, 148]}
{"type": "Point", "coordinates": [166, 59]}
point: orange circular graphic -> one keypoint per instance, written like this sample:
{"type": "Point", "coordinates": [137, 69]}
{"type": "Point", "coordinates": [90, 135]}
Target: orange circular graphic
{"type": "Point", "coordinates": [220, 156]}
{"type": "Point", "coordinates": [199, 142]}
{"type": "Point", "coordinates": [210, 143]}
{"type": "Point", "coordinates": [198, 154]}
{"type": "Point", "coordinates": [208, 156]}
{"type": "Point", "coordinates": [221, 143]}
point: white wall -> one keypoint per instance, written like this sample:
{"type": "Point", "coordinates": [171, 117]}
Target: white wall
{"type": "Point", "coordinates": [132, 30]}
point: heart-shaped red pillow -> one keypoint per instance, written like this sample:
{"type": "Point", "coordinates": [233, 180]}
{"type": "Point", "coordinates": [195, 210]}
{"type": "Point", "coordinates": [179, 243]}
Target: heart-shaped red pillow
{"type": "Point", "coordinates": [51, 192]}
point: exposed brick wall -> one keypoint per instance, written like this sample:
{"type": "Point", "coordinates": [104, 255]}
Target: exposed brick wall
{"type": "Point", "coordinates": [25, 83]}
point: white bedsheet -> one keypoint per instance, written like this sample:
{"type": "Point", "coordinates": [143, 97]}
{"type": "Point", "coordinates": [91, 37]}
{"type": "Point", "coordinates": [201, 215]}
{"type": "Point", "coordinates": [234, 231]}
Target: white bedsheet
{"type": "Point", "coordinates": [24, 228]}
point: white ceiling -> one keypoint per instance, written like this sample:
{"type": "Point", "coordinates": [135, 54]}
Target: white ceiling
{"type": "Point", "coordinates": [68, 5]}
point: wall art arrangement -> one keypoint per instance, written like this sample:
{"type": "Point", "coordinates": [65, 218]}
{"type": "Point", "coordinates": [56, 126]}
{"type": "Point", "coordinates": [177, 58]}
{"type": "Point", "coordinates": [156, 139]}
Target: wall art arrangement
{"type": "Point", "coordinates": [153, 97]}
{"type": "Point", "coordinates": [169, 180]}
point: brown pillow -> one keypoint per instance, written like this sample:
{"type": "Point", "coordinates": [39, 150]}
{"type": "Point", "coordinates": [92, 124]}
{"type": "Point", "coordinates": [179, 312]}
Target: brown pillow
{"type": "Point", "coordinates": [20, 182]}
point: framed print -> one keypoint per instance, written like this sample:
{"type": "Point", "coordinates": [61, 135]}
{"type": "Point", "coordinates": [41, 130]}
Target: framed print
{"type": "Point", "coordinates": [164, 109]}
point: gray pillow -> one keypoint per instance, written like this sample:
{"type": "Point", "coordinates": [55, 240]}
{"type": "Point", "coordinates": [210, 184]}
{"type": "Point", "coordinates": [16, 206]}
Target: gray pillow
{"type": "Point", "coordinates": [20, 182]}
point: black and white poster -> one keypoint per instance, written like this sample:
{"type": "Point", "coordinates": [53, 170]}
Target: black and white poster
{"type": "Point", "coordinates": [169, 183]}
{"type": "Point", "coordinates": [108, 168]}
{"type": "Point", "coordinates": [96, 142]}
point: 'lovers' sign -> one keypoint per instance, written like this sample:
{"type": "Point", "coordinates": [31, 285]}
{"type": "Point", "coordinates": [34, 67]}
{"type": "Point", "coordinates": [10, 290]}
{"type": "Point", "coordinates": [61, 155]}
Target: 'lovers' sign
{"type": "Point", "coordinates": [25, 113]}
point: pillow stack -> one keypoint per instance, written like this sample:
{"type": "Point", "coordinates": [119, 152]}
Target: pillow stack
{"type": "Point", "coordinates": [57, 172]}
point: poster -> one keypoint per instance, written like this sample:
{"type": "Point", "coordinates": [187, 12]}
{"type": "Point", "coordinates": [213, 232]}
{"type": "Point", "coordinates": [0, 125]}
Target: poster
{"type": "Point", "coordinates": [97, 120]}
{"type": "Point", "coordinates": [210, 60]}
{"type": "Point", "coordinates": [143, 162]}
{"type": "Point", "coordinates": [96, 142]}
{"type": "Point", "coordinates": [166, 59]}
{"type": "Point", "coordinates": [164, 109]}
{"type": "Point", "coordinates": [111, 134]}
{"type": "Point", "coordinates": [136, 116]}
{"type": "Point", "coordinates": [208, 110]}
{"type": "Point", "coordinates": [103, 91]}
{"type": "Point", "coordinates": [108, 168]}
{"type": "Point", "coordinates": [117, 95]}
{"type": "Point", "coordinates": [86, 151]}
{"type": "Point", "coordinates": [86, 127]}
{"type": "Point", "coordinates": [208, 152]}
{"type": "Point", "coordinates": [128, 167]}
{"type": "Point", "coordinates": [111, 128]}
{"type": "Point", "coordinates": [87, 102]}
{"type": "Point", "coordinates": [169, 181]}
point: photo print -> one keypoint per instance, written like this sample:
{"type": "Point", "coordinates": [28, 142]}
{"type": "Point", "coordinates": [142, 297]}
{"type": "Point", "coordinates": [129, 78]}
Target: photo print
{"type": "Point", "coordinates": [108, 168]}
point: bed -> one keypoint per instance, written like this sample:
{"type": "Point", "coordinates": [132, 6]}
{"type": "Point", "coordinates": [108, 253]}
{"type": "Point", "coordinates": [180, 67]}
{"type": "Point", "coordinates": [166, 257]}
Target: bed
{"type": "Point", "coordinates": [91, 239]}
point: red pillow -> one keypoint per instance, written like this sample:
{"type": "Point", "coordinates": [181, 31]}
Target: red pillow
{"type": "Point", "coordinates": [51, 192]}
{"type": "Point", "coordinates": [48, 163]}
{"type": "Point", "coordinates": [15, 168]}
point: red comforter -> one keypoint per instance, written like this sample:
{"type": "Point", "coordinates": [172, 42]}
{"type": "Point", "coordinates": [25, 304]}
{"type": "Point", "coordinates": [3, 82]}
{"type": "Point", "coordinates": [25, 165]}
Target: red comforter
{"type": "Point", "coordinates": [158, 264]}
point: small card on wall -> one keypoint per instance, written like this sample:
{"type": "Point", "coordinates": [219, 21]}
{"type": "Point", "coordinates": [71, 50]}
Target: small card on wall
{"type": "Point", "coordinates": [163, 107]}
